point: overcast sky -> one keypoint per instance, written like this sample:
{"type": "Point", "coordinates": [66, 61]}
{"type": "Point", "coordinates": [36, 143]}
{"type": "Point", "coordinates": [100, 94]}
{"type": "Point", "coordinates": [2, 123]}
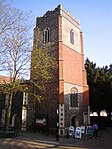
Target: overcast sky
{"type": "Point", "coordinates": [96, 23]}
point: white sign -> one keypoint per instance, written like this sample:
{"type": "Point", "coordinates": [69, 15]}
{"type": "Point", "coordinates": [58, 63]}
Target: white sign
{"type": "Point", "coordinates": [41, 121]}
{"type": "Point", "coordinates": [89, 130]}
{"type": "Point", "coordinates": [82, 129]}
{"type": "Point", "coordinates": [78, 133]}
{"type": "Point", "coordinates": [71, 131]}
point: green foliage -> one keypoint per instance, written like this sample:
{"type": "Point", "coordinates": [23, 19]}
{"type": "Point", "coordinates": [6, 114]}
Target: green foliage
{"type": "Point", "coordinates": [99, 86]}
{"type": "Point", "coordinates": [43, 70]}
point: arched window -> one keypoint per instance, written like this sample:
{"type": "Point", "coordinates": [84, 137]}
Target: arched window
{"type": "Point", "coordinates": [74, 97]}
{"type": "Point", "coordinates": [72, 36]}
{"type": "Point", "coordinates": [46, 35]}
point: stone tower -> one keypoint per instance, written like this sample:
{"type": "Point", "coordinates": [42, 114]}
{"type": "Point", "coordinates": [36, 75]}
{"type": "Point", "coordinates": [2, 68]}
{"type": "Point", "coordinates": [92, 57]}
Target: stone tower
{"type": "Point", "coordinates": [70, 105]}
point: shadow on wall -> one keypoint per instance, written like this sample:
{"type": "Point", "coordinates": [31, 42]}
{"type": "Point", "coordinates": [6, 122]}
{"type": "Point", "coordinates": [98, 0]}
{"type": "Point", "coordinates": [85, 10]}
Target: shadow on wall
{"type": "Point", "coordinates": [76, 109]}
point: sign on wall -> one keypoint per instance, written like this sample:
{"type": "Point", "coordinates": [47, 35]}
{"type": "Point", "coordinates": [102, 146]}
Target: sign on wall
{"type": "Point", "coordinates": [41, 121]}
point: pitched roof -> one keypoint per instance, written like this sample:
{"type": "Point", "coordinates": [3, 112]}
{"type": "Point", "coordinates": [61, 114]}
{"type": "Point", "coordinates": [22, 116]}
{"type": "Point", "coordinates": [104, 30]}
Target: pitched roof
{"type": "Point", "coordinates": [4, 79]}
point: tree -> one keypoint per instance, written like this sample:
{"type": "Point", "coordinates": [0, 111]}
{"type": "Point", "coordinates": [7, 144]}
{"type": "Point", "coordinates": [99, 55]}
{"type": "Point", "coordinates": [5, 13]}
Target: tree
{"type": "Point", "coordinates": [6, 22]}
{"type": "Point", "coordinates": [16, 46]}
{"type": "Point", "coordinates": [91, 80]}
{"type": "Point", "coordinates": [109, 89]}
{"type": "Point", "coordinates": [98, 81]}
{"type": "Point", "coordinates": [44, 66]}
{"type": "Point", "coordinates": [44, 70]}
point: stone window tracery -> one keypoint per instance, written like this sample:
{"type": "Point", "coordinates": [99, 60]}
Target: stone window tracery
{"type": "Point", "coordinates": [74, 97]}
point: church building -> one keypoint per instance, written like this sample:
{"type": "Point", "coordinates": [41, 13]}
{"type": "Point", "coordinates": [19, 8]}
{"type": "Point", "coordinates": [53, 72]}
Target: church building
{"type": "Point", "coordinates": [67, 102]}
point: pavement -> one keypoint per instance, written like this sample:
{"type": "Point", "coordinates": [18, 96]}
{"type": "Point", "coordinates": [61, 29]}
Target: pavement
{"type": "Point", "coordinates": [35, 140]}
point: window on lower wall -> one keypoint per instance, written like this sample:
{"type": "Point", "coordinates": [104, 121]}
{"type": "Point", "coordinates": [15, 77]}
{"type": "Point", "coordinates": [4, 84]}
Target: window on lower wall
{"type": "Point", "coordinates": [74, 98]}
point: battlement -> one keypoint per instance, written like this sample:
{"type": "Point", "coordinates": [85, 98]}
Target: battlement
{"type": "Point", "coordinates": [60, 10]}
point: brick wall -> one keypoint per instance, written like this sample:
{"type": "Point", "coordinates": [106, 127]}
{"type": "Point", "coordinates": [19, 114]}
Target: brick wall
{"type": "Point", "coordinates": [70, 57]}
{"type": "Point", "coordinates": [72, 67]}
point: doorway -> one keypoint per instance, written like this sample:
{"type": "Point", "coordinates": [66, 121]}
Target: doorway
{"type": "Point", "coordinates": [74, 121]}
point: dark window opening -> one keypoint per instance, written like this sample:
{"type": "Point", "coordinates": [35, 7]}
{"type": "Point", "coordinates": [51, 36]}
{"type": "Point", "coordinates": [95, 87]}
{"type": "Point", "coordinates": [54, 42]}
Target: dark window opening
{"type": "Point", "coordinates": [74, 100]}
{"type": "Point", "coordinates": [46, 35]}
{"type": "Point", "coordinates": [72, 36]}
{"type": "Point", "coordinates": [74, 97]}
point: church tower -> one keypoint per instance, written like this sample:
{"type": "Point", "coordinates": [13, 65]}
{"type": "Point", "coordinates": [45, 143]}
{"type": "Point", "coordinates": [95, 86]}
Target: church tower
{"type": "Point", "coordinates": [70, 105]}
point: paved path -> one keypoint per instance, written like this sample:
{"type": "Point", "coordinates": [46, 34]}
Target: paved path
{"type": "Point", "coordinates": [42, 141]}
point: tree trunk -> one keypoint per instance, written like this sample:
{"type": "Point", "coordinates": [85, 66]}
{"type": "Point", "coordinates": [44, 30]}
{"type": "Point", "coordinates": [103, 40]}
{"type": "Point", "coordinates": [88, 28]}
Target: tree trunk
{"type": "Point", "coordinates": [8, 114]}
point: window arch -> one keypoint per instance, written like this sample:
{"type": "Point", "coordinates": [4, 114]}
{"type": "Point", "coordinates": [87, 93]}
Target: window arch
{"type": "Point", "coordinates": [72, 36]}
{"type": "Point", "coordinates": [74, 97]}
{"type": "Point", "coordinates": [46, 35]}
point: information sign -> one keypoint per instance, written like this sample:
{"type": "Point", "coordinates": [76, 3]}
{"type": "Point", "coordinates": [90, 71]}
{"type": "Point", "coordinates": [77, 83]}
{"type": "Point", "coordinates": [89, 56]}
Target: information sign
{"type": "Point", "coordinates": [78, 133]}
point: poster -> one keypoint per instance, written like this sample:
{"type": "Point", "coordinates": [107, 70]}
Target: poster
{"type": "Point", "coordinates": [78, 133]}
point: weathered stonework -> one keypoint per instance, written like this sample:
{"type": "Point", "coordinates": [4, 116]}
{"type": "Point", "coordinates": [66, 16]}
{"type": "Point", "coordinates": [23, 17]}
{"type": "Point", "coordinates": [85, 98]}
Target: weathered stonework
{"type": "Point", "coordinates": [70, 72]}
